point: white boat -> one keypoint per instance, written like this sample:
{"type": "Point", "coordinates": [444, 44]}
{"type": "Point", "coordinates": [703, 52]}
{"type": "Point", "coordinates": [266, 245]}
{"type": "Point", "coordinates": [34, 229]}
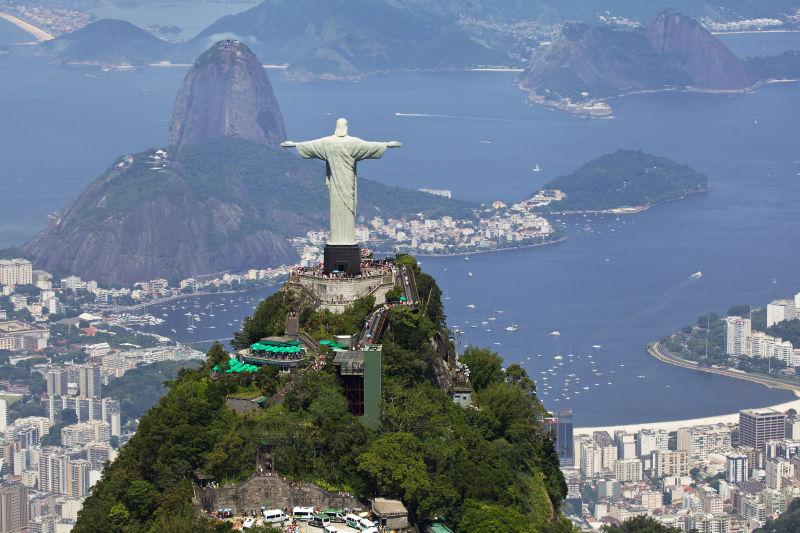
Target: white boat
{"type": "Point", "coordinates": [470, 274]}
{"type": "Point", "coordinates": [471, 306]}
{"type": "Point", "coordinates": [512, 327]}
{"type": "Point", "coordinates": [596, 346]}
{"type": "Point", "coordinates": [536, 168]}
{"type": "Point", "coordinates": [697, 275]}
{"type": "Point", "coordinates": [555, 333]}
{"type": "Point", "coordinates": [558, 358]}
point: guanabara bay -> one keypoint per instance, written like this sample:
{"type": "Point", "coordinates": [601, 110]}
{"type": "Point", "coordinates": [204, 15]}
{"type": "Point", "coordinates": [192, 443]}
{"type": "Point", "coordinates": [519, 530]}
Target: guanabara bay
{"type": "Point", "coordinates": [380, 266]}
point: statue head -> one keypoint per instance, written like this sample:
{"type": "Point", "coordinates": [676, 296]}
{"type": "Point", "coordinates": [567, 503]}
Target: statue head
{"type": "Point", "coordinates": [341, 127]}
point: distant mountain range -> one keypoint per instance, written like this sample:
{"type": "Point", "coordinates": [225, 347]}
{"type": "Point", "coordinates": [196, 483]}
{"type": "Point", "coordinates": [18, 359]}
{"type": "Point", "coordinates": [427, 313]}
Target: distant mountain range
{"type": "Point", "coordinates": [344, 39]}
{"type": "Point", "coordinates": [588, 64]}
{"type": "Point", "coordinates": [624, 179]}
{"type": "Point", "coordinates": [222, 197]}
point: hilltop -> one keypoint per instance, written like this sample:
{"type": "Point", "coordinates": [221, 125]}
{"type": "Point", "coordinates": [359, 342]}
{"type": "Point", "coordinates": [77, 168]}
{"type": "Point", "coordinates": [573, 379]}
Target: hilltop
{"type": "Point", "coordinates": [226, 93]}
{"type": "Point", "coordinates": [487, 469]}
{"type": "Point", "coordinates": [107, 42]}
{"type": "Point", "coordinates": [348, 38]}
{"type": "Point", "coordinates": [222, 198]}
{"type": "Point", "coordinates": [624, 179]}
{"type": "Point", "coordinates": [588, 64]}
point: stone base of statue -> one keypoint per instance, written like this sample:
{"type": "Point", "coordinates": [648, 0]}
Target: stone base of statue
{"type": "Point", "coordinates": [335, 293]}
{"type": "Point", "coordinates": [342, 258]}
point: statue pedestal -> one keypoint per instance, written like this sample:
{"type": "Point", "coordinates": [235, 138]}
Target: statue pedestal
{"type": "Point", "coordinates": [344, 258]}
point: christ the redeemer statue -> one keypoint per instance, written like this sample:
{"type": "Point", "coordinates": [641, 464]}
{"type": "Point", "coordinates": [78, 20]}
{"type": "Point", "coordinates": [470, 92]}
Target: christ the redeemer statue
{"type": "Point", "coordinates": [341, 153]}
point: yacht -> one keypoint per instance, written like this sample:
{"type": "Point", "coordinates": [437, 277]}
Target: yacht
{"type": "Point", "coordinates": [536, 168]}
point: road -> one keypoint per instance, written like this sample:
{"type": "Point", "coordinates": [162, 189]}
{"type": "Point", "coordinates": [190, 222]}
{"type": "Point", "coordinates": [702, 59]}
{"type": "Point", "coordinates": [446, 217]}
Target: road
{"type": "Point", "coordinates": [660, 352]}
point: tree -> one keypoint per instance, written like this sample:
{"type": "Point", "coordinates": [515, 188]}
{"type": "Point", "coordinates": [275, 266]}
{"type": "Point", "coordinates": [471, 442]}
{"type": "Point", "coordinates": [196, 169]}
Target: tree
{"type": "Point", "coordinates": [395, 467]}
{"type": "Point", "coordinates": [640, 524]}
{"type": "Point", "coordinates": [485, 366]}
{"type": "Point", "coordinates": [217, 356]}
{"type": "Point", "coordinates": [479, 517]}
{"type": "Point", "coordinates": [118, 517]}
{"type": "Point", "coordinates": [141, 499]}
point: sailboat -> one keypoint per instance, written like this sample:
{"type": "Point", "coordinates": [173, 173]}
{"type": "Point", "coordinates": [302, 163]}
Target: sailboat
{"type": "Point", "coordinates": [536, 168]}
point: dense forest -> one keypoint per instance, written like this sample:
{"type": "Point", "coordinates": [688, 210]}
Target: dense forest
{"type": "Point", "coordinates": [490, 468]}
{"type": "Point", "coordinates": [626, 178]}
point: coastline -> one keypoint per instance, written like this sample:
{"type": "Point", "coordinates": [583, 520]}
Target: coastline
{"type": "Point", "coordinates": [601, 108]}
{"type": "Point", "coordinates": [673, 425]}
{"type": "Point", "coordinates": [493, 250]}
{"type": "Point", "coordinates": [40, 34]}
{"type": "Point", "coordinates": [656, 351]}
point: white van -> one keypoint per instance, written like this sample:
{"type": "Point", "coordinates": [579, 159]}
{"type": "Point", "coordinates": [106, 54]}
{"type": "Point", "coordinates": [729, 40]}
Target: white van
{"type": "Point", "coordinates": [274, 516]}
{"type": "Point", "coordinates": [302, 514]}
{"type": "Point", "coordinates": [330, 529]}
{"type": "Point", "coordinates": [366, 525]}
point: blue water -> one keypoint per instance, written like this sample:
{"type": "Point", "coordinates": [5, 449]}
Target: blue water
{"type": "Point", "coordinates": [761, 44]}
{"type": "Point", "coordinates": [60, 127]}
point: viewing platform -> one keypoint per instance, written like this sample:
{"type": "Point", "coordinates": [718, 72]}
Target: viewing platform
{"type": "Point", "coordinates": [335, 291]}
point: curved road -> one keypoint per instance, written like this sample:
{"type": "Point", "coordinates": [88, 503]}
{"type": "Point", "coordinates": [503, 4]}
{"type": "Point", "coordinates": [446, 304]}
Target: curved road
{"type": "Point", "coordinates": [662, 354]}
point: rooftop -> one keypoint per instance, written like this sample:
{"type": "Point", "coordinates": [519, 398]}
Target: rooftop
{"type": "Point", "coordinates": [385, 507]}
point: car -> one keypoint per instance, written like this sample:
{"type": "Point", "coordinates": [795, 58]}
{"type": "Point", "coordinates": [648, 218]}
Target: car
{"type": "Point", "coordinates": [352, 520]}
{"type": "Point", "coordinates": [365, 524]}
{"type": "Point", "coordinates": [330, 529]}
{"type": "Point", "coordinates": [319, 520]}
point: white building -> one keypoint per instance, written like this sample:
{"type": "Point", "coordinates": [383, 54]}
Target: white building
{"type": "Point", "coordinates": [778, 469]}
{"type": "Point", "coordinates": [628, 470]}
{"type": "Point", "coordinates": [737, 468]}
{"type": "Point", "coordinates": [737, 329]}
{"type": "Point", "coordinates": [780, 310]}
{"type": "Point", "coordinates": [16, 272]}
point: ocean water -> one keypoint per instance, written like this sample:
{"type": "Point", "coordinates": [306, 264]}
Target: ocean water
{"type": "Point", "coordinates": [617, 283]}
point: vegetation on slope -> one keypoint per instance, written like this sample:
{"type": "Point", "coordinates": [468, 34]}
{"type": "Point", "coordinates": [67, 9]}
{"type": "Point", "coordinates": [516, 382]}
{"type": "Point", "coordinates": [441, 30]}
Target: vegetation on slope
{"type": "Point", "coordinates": [440, 459]}
{"type": "Point", "coordinates": [626, 178]}
{"type": "Point", "coordinates": [787, 522]}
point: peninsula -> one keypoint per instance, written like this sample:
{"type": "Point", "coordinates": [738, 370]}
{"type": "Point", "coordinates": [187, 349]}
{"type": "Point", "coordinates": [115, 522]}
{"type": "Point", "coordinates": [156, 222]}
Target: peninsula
{"type": "Point", "coordinates": [587, 65]}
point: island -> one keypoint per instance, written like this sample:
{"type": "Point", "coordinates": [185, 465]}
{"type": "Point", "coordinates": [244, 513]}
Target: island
{"type": "Point", "coordinates": [626, 181]}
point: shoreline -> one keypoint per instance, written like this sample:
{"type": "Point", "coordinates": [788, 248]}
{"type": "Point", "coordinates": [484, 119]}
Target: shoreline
{"type": "Point", "coordinates": [654, 349]}
{"type": "Point", "coordinates": [601, 108]}
{"type": "Point", "coordinates": [673, 425]}
{"type": "Point", "coordinates": [494, 250]}
{"type": "Point", "coordinates": [40, 34]}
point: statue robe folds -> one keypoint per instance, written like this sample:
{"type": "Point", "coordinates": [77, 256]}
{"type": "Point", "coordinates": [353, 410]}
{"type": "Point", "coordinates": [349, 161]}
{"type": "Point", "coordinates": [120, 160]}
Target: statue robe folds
{"type": "Point", "coordinates": [341, 155]}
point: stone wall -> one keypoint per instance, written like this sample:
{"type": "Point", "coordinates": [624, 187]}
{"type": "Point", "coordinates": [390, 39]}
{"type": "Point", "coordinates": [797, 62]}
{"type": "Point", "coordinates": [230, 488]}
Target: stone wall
{"type": "Point", "coordinates": [271, 491]}
{"type": "Point", "coordinates": [335, 294]}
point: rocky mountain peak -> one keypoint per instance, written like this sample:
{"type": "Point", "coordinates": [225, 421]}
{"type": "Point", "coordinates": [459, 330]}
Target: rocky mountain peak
{"type": "Point", "coordinates": [226, 93]}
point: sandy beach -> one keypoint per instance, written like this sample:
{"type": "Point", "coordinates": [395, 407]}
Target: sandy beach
{"type": "Point", "coordinates": [39, 33]}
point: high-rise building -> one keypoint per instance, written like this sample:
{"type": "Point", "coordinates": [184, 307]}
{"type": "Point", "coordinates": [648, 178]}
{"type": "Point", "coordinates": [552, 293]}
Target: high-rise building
{"type": "Point", "coordinates": [112, 414]}
{"type": "Point", "coordinates": [53, 470]}
{"type": "Point", "coordinates": [16, 272]}
{"type": "Point", "coordinates": [777, 470]}
{"type": "Point", "coordinates": [756, 427]}
{"type": "Point", "coordinates": [737, 329]}
{"type": "Point", "coordinates": [98, 454]}
{"type": "Point", "coordinates": [57, 382]}
{"type": "Point", "coordinates": [628, 469]}
{"type": "Point", "coordinates": [590, 458]}
{"type": "Point", "coordinates": [608, 450]}
{"type": "Point", "coordinates": [626, 445]}
{"type": "Point", "coordinates": [13, 507]}
{"type": "Point", "coordinates": [736, 468]}
{"type": "Point", "coordinates": [670, 463]}
{"type": "Point", "coordinates": [564, 438]}
{"type": "Point", "coordinates": [780, 310]}
{"type": "Point", "coordinates": [78, 478]}
{"type": "Point", "coordinates": [89, 381]}
{"type": "Point", "coordinates": [650, 440]}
